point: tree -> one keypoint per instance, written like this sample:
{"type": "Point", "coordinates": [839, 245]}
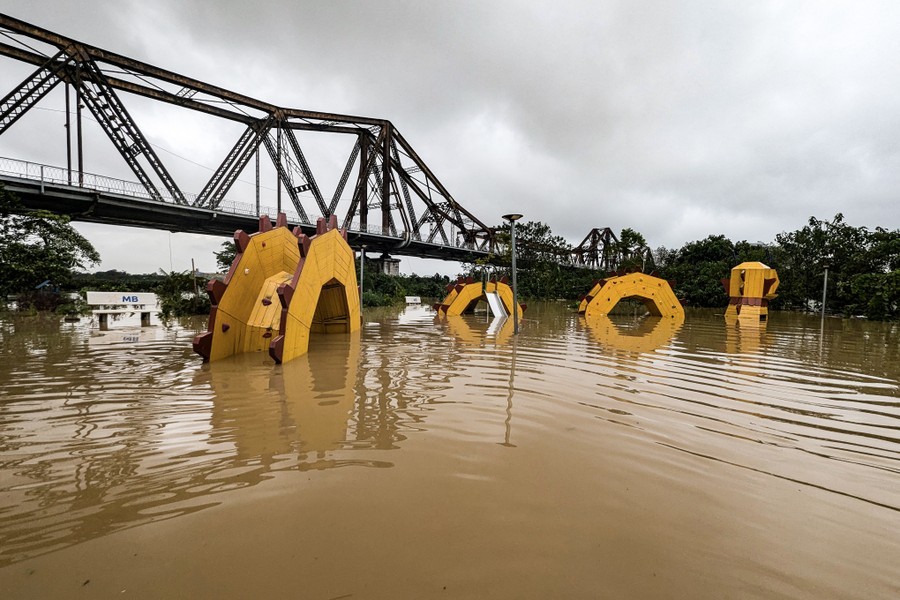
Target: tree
{"type": "Point", "coordinates": [225, 256]}
{"type": "Point", "coordinates": [178, 295]}
{"type": "Point", "coordinates": [698, 269]}
{"type": "Point", "coordinates": [36, 246]}
{"type": "Point", "coordinates": [541, 263]}
{"type": "Point", "coordinates": [875, 295]}
{"type": "Point", "coordinates": [884, 250]}
{"type": "Point", "coordinates": [631, 250]}
{"type": "Point", "coordinates": [847, 252]}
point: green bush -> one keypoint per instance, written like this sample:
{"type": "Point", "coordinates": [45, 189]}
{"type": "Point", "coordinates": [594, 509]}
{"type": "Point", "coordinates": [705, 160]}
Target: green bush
{"type": "Point", "coordinates": [370, 299]}
{"type": "Point", "coordinates": [876, 295]}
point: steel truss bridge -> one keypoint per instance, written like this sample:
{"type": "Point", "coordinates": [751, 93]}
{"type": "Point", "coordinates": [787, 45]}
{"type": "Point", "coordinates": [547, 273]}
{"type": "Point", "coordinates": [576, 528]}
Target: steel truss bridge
{"type": "Point", "coordinates": [598, 250]}
{"type": "Point", "coordinates": [394, 202]}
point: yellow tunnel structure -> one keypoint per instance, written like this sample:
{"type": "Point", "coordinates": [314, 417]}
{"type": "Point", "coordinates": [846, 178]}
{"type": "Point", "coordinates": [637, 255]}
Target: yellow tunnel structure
{"type": "Point", "coordinates": [750, 288]}
{"type": "Point", "coordinates": [282, 286]}
{"type": "Point", "coordinates": [655, 293]}
{"type": "Point", "coordinates": [463, 295]}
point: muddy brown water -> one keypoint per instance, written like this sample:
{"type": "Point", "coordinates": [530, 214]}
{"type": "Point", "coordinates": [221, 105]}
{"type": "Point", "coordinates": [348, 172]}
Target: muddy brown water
{"type": "Point", "coordinates": [451, 459]}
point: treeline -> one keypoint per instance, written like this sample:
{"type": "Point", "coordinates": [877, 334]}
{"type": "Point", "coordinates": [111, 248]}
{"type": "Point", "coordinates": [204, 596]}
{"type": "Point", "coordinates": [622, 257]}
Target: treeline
{"type": "Point", "coordinates": [382, 290]}
{"type": "Point", "coordinates": [42, 256]}
{"type": "Point", "coordinates": [178, 292]}
{"type": "Point", "coordinates": [863, 266]}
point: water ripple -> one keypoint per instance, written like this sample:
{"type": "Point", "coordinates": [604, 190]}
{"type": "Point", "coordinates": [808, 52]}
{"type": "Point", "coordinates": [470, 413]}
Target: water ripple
{"type": "Point", "coordinates": [102, 431]}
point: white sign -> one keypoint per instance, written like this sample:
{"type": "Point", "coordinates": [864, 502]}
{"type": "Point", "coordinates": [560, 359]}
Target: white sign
{"type": "Point", "coordinates": [114, 298]}
{"type": "Point", "coordinates": [413, 300]}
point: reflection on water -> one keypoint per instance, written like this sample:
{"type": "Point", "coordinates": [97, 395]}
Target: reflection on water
{"type": "Point", "coordinates": [475, 331]}
{"type": "Point", "coordinates": [291, 416]}
{"type": "Point", "coordinates": [633, 335]}
{"type": "Point", "coordinates": [125, 430]}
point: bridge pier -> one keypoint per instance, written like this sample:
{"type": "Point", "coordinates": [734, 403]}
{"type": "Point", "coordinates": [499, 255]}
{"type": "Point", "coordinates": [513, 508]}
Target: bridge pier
{"type": "Point", "coordinates": [388, 265]}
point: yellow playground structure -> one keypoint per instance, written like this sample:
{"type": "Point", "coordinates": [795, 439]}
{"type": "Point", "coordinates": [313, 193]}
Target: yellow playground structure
{"type": "Point", "coordinates": [282, 286]}
{"type": "Point", "coordinates": [655, 293]}
{"type": "Point", "coordinates": [750, 288]}
{"type": "Point", "coordinates": [466, 293]}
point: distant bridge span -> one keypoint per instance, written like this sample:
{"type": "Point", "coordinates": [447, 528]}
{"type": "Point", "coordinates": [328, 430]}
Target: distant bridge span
{"type": "Point", "coordinates": [384, 177]}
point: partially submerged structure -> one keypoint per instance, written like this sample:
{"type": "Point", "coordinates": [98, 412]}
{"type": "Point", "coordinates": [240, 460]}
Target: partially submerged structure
{"type": "Point", "coordinates": [750, 288]}
{"type": "Point", "coordinates": [655, 293]}
{"type": "Point", "coordinates": [282, 286]}
{"type": "Point", "coordinates": [466, 293]}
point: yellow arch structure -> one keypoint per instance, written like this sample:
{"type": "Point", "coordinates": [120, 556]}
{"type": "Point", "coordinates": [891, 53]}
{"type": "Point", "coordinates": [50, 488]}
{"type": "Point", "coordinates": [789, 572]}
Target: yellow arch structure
{"type": "Point", "coordinates": [465, 293]}
{"type": "Point", "coordinates": [281, 286]}
{"type": "Point", "coordinates": [656, 294]}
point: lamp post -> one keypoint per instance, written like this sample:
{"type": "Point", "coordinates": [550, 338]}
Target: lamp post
{"type": "Point", "coordinates": [512, 218]}
{"type": "Point", "coordinates": [362, 273]}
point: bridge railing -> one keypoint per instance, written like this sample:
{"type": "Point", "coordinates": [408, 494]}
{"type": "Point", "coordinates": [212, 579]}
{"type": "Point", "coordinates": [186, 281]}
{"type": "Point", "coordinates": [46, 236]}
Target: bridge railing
{"type": "Point", "coordinates": [51, 175]}
{"type": "Point", "coordinates": [61, 176]}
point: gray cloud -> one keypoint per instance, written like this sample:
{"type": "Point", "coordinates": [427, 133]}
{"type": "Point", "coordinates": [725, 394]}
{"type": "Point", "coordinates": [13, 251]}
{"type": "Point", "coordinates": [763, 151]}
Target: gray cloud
{"type": "Point", "coordinates": [676, 119]}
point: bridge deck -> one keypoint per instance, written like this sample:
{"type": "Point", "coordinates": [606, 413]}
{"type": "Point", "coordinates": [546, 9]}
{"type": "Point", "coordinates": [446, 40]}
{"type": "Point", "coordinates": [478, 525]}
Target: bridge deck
{"type": "Point", "coordinates": [112, 208]}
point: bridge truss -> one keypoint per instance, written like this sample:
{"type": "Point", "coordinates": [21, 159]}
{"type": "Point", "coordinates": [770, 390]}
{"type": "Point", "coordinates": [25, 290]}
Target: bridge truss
{"type": "Point", "coordinates": [598, 250]}
{"type": "Point", "coordinates": [386, 188]}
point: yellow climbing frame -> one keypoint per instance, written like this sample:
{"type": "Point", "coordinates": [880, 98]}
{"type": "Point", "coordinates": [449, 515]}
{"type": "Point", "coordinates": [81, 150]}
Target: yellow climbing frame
{"type": "Point", "coordinates": [281, 286]}
{"type": "Point", "coordinates": [465, 293]}
{"type": "Point", "coordinates": [655, 293]}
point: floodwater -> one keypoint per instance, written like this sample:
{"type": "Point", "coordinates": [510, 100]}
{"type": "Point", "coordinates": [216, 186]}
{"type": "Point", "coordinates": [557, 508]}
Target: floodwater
{"type": "Point", "coordinates": [448, 458]}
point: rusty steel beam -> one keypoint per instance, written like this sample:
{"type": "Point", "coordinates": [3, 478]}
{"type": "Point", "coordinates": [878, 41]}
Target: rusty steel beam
{"type": "Point", "coordinates": [345, 176]}
{"type": "Point", "coordinates": [132, 87]}
{"type": "Point", "coordinates": [29, 92]}
{"type": "Point", "coordinates": [407, 148]}
{"type": "Point", "coordinates": [306, 172]}
{"type": "Point", "coordinates": [129, 64]}
{"type": "Point", "coordinates": [224, 177]}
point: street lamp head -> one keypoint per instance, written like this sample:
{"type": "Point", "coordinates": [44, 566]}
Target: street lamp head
{"type": "Point", "coordinates": [513, 217]}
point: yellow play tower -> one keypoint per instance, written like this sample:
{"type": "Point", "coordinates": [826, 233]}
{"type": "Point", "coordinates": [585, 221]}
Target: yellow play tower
{"type": "Point", "coordinates": [750, 288]}
{"type": "Point", "coordinates": [655, 293]}
{"type": "Point", "coordinates": [281, 287]}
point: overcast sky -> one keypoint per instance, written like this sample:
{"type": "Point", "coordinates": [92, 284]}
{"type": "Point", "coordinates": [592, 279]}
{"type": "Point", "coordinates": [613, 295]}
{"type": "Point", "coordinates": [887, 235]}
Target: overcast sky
{"type": "Point", "coordinates": [677, 119]}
